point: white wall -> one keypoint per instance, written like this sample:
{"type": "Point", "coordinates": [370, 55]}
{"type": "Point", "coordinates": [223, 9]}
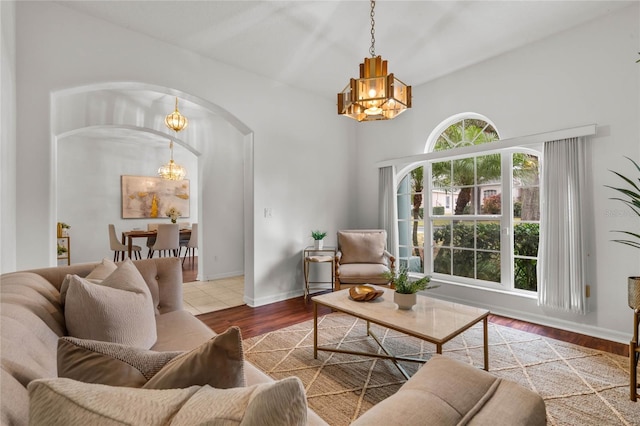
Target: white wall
{"type": "Point", "coordinates": [300, 159]}
{"type": "Point", "coordinates": [7, 137]}
{"type": "Point", "coordinates": [587, 75]}
{"type": "Point", "coordinates": [304, 161]}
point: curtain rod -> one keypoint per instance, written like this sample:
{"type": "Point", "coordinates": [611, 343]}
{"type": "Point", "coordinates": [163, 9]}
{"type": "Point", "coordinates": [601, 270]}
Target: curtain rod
{"type": "Point", "coordinates": [518, 141]}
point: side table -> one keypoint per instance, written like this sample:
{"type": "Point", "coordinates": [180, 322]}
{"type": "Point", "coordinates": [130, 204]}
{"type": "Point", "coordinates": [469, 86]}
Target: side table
{"type": "Point", "coordinates": [312, 255]}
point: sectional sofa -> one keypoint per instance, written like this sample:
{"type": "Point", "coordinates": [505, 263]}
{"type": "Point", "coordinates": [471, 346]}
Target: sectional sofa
{"type": "Point", "coordinates": [32, 322]}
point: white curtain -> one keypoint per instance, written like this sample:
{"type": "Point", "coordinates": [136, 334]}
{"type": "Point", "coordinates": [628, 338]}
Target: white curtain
{"type": "Point", "coordinates": [387, 207]}
{"type": "Point", "coordinates": [562, 244]}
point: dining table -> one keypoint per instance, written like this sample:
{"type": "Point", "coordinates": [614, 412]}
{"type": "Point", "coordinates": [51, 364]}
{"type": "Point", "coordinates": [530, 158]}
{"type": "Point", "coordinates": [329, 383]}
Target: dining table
{"type": "Point", "coordinates": [128, 236]}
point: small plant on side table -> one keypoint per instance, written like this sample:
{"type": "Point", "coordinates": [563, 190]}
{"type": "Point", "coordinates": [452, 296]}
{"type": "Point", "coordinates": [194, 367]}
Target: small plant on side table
{"type": "Point", "coordinates": [318, 236]}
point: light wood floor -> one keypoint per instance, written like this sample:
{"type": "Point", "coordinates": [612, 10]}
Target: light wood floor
{"type": "Point", "coordinates": [262, 319]}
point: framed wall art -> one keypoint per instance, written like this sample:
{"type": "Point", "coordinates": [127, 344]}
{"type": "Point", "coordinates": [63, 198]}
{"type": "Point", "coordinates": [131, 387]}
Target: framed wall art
{"type": "Point", "coordinates": [151, 197]}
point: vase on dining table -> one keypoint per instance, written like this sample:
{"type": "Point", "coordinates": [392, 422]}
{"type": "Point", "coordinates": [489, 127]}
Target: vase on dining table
{"type": "Point", "coordinates": [173, 220]}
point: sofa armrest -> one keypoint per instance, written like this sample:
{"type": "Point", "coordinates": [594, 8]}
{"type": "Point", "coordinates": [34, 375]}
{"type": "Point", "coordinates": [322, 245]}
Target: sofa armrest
{"type": "Point", "coordinates": [447, 391]}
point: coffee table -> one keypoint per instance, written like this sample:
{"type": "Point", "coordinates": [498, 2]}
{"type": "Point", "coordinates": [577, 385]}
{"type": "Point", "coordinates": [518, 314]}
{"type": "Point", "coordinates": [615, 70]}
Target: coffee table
{"type": "Point", "coordinates": [433, 320]}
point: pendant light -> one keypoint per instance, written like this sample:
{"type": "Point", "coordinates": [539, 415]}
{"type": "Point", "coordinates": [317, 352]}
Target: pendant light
{"type": "Point", "coordinates": [376, 95]}
{"type": "Point", "coordinates": [176, 122]}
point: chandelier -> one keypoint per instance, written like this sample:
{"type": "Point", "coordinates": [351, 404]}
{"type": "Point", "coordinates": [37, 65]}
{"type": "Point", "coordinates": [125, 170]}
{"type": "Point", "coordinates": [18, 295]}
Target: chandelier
{"type": "Point", "coordinates": [176, 122]}
{"type": "Point", "coordinates": [171, 170]}
{"type": "Point", "coordinates": [376, 95]}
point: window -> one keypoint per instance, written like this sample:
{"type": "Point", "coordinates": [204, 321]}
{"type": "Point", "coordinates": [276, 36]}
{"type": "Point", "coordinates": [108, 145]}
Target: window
{"type": "Point", "coordinates": [482, 211]}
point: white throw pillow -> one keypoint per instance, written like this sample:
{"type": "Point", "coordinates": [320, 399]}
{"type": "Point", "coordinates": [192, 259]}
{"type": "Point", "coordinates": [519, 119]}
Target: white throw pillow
{"type": "Point", "coordinates": [119, 309]}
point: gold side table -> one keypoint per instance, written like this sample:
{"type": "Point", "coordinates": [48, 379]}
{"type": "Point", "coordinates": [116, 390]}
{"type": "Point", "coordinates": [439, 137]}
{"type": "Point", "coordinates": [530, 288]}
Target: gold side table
{"type": "Point", "coordinates": [312, 255]}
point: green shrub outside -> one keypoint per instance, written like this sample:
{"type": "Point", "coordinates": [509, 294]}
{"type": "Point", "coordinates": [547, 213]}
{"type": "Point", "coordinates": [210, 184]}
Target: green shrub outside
{"type": "Point", "coordinates": [487, 253]}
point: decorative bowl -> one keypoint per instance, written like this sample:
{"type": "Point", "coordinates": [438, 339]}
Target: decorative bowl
{"type": "Point", "coordinates": [364, 293]}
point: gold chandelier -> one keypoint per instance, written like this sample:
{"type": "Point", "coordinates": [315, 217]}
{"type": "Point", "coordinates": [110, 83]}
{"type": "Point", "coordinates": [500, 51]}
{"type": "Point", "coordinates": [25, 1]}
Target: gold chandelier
{"type": "Point", "coordinates": [171, 170]}
{"type": "Point", "coordinates": [376, 95]}
{"type": "Point", "coordinates": [176, 122]}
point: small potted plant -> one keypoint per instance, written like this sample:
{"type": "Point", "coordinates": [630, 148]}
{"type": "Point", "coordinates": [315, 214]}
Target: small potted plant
{"type": "Point", "coordinates": [61, 250]}
{"type": "Point", "coordinates": [405, 295]}
{"type": "Point", "coordinates": [632, 199]}
{"type": "Point", "coordinates": [318, 237]}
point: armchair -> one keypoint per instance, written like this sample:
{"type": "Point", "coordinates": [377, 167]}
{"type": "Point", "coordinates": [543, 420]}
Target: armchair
{"type": "Point", "coordinates": [362, 257]}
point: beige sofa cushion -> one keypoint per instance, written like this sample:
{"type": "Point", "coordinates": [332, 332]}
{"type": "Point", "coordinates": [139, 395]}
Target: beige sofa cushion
{"type": "Point", "coordinates": [119, 309]}
{"type": "Point", "coordinates": [362, 247]}
{"type": "Point", "coordinates": [64, 401]}
{"type": "Point", "coordinates": [219, 362]}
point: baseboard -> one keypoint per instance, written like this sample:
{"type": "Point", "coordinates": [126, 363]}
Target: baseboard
{"type": "Point", "coordinates": [260, 301]}
{"type": "Point", "coordinates": [220, 276]}
{"type": "Point", "coordinates": [589, 330]}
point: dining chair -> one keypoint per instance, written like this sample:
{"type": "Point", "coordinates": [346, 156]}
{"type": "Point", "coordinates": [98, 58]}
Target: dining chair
{"type": "Point", "coordinates": [151, 240]}
{"type": "Point", "coordinates": [119, 248]}
{"type": "Point", "coordinates": [168, 239]}
{"type": "Point", "coordinates": [184, 238]}
{"type": "Point", "coordinates": [192, 244]}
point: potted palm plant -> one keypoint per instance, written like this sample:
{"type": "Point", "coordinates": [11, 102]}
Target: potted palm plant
{"type": "Point", "coordinates": [405, 295]}
{"type": "Point", "coordinates": [631, 198]}
{"type": "Point", "coordinates": [318, 237]}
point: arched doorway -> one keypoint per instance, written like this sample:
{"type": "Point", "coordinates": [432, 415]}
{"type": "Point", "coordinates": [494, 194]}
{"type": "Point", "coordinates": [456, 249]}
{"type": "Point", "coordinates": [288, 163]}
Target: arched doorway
{"type": "Point", "coordinates": [128, 118]}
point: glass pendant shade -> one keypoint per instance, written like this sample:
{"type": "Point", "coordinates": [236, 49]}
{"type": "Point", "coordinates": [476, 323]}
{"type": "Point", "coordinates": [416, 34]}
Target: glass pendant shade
{"type": "Point", "coordinates": [176, 121]}
{"type": "Point", "coordinates": [376, 95]}
{"type": "Point", "coordinates": [172, 171]}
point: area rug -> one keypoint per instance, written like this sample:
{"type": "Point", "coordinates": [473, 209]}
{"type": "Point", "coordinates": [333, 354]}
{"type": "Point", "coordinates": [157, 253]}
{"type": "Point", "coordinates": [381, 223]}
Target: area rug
{"type": "Point", "coordinates": [580, 386]}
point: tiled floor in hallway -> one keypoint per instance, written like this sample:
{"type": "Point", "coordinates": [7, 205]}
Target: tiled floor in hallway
{"type": "Point", "coordinates": [207, 296]}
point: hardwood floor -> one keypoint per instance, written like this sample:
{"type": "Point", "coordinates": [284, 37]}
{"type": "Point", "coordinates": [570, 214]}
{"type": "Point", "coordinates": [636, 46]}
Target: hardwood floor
{"type": "Point", "coordinates": [189, 270]}
{"type": "Point", "coordinates": [262, 319]}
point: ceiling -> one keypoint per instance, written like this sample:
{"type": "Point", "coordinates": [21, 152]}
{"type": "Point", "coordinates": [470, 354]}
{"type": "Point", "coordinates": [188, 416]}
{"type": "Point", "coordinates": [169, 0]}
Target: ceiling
{"type": "Point", "coordinates": [317, 45]}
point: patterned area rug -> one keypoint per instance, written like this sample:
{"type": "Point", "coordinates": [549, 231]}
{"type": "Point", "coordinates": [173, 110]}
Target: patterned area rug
{"type": "Point", "coordinates": [580, 386]}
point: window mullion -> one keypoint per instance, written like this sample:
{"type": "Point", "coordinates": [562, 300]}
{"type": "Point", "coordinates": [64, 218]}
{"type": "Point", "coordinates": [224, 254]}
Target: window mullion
{"type": "Point", "coordinates": [506, 222]}
{"type": "Point", "coordinates": [427, 186]}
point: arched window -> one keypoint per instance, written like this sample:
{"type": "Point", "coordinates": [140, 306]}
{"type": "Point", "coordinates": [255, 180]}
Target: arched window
{"type": "Point", "coordinates": [471, 218]}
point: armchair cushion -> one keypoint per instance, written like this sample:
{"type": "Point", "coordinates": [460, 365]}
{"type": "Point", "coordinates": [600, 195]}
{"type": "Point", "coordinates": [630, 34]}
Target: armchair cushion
{"type": "Point", "coordinates": [362, 246]}
{"type": "Point", "coordinates": [358, 273]}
